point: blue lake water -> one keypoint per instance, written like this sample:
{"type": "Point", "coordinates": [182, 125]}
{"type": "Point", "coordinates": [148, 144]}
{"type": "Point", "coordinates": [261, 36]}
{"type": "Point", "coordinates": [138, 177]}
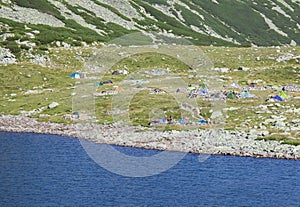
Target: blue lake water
{"type": "Point", "coordinates": [48, 170]}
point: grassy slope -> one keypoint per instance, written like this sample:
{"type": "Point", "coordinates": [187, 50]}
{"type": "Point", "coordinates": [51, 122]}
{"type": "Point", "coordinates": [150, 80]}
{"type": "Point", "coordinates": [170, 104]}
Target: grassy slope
{"type": "Point", "coordinates": [234, 13]}
{"type": "Point", "coordinates": [20, 78]}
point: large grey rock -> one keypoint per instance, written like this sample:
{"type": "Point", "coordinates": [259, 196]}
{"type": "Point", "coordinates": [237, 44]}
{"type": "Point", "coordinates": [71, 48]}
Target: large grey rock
{"type": "Point", "coordinates": [6, 57]}
{"type": "Point", "coordinates": [280, 124]}
{"type": "Point", "coordinates": [53, 105]}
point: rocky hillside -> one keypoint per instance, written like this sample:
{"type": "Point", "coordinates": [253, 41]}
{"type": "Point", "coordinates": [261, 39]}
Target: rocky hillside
{"type": "Point", "coordinates": [26, 24]}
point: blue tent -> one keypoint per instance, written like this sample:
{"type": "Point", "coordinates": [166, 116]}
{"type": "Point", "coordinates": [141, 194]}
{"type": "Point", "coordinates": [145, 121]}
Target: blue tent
{"type": "Point", "coordinates": [75, 75]}
{"type": "Point", "coordinates": [278, 98]}
{"type": "Point", "coordinates": [202, 121]}
{"type": "Point", "coordinates": [182, 121]}
{"type": "Point", "coordinates": [203, 92]}
{"type": "Point", "coordinates": [158, 71]}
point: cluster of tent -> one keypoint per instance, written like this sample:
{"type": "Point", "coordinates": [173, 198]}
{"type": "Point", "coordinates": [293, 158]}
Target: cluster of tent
{"type": "Point", "coordinates": [194, 91]}
{"type": "Point", "coordinates": [291, 87]}
{"type": "Point", "coordinates": [234, 95]}
{"type": "Point", "coordinates": [202, 90]}
{"type": "Point", "coordinates": [182, 121]}
{"type": "Point", "coordinates": [251, 85]}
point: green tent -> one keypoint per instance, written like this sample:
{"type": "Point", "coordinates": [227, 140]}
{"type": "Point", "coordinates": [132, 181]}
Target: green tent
{"type": "Point", "coordinates": [231, 95]}
{"type": "Point", "coordinates": [283, 95]}
{"type": "Point", "coordinates": [276, 88]}
{"type": "Point", "coordinates": [191, 88]}
{"type": "Point", "coordinates": [202, 86]}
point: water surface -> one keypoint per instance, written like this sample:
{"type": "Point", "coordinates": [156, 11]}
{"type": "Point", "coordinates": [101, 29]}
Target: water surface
{"type": "Point", "coordinates": [49, 170]}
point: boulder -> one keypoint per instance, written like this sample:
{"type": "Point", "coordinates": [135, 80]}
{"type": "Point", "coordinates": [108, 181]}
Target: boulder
{"type": "Point", "coordinates": [6, 57]}
{"type": "Point", "coordinates": [53, 105]}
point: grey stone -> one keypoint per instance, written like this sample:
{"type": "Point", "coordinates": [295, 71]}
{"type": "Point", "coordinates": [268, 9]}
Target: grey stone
{"type": "Point", "coordinates": [53, 105]}
{"type": "Point", "coordinates": [6, 57]}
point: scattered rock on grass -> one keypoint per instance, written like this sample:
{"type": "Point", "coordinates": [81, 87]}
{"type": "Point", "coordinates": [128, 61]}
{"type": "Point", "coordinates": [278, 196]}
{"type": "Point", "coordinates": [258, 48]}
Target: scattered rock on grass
{"type": "Point", "coordinates": [53, 105]}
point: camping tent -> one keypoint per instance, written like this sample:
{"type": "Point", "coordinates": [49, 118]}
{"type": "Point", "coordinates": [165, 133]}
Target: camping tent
{"type": "Point", "coordinates": [252, 85]}
{"type": "Point", "coordinates": [124, 72]}
{"type": "Point", "coordinates": [115, 72]}
{"type": "Point", "coordinates": [277, 98]}
{"type": "Point", "coordinates": [202, 121]}
{"type": "Point", "coordinates": [182, 121]}
{"type": "Point", "coordinates": [98, 84]}
{"type": "Point", "coordinates": [203, 86]}
{"type": "Point", "coordinates": [231, 95]}
{"type": "Point", "coordinates": [190, 87]}
{"type": "Point", "coordinates": [76, 75]}
{"type": "Point", "coordinates": [283, 95]}
{"type": "Point", "coordinates": [246, 94]}
{"type": "Point", "coordinates": [107, 82]}
{"type": "Point", "coordinates": [203, 92]}
{"type": "Point", "coordinates": [276, 88]}
{"type": "Point", "coordinates": [235, 85]}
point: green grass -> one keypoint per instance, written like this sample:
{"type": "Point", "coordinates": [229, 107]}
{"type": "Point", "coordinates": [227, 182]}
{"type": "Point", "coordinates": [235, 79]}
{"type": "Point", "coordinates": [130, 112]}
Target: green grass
{"type": "Point", "coordinates": [4, 4]}
{"type": "Point", "coordinates": [283, 139]}
{"type": "Point", "coordinates": [20, 78]}
{"type": "Point", "coordinates": [142, 106]}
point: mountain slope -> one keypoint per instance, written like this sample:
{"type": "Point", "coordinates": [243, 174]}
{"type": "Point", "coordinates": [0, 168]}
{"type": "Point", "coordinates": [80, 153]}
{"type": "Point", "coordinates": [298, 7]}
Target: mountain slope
{"type": "Point", "coordinates": [205, 22]}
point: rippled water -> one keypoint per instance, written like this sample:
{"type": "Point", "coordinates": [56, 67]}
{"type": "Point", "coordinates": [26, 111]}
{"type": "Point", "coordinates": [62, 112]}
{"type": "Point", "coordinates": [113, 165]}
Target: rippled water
{"type": "Point", "coordinates": [48, 170]}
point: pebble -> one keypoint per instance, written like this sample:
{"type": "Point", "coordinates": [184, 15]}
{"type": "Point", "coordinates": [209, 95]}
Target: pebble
{"type": "Point", "coordinates": [210, 141]}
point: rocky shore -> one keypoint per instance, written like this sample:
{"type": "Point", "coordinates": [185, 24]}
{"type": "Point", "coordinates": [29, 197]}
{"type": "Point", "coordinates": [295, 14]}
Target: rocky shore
{"type": "Point", "coordinates": [211, 141]}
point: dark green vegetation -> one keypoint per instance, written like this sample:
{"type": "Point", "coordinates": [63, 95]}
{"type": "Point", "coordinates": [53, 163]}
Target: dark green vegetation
{"type": "Point", "coordinates": [73, 35]}
{"type": "Point", "coordinates": [40, 5]}
{"type": "Point", "coordinates": [240, 21]}
{"type": "Point", "coordinates": [282, 139]}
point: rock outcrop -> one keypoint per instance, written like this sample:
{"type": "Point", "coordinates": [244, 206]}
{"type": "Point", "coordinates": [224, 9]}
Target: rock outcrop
{"type": "Point", "coordinates": [6, 57]}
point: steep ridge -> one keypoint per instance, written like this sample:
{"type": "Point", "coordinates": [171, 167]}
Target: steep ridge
{"type": "Point", "coordinates": [206, 22]}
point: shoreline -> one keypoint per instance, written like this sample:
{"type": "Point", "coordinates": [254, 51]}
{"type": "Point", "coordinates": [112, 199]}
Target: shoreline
{"type": "Point", "coordinates": [211, 141]}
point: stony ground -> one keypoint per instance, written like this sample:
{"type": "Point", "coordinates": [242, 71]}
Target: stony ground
{"type": "Point", "coordinates": [212, 141]}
